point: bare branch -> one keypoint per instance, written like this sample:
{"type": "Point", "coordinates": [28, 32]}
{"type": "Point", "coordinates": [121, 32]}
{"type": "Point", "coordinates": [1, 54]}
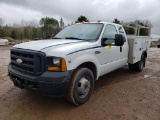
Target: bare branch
{"type": "Point", "coordinates": [1, 22]}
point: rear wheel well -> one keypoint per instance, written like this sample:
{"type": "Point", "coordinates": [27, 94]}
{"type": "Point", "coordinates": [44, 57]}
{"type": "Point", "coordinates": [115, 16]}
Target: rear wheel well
{"type": "Point", "coordinates": [145, 54]}
{"type": "Point", "coordinates": [90, 66]}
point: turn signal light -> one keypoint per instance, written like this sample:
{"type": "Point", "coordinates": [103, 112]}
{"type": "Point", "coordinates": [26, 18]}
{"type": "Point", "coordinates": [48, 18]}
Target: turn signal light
{"type": "Point", "coordinates": [51, 68]}
{"type": "Point", "coordinates": [64, 66]}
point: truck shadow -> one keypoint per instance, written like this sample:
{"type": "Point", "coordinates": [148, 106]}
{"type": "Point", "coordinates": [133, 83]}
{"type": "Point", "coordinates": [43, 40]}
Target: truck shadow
{"type": "Point", "coordinates": [43, 106]}
{"type": "Point", "coordinates": [111, 78]}
{"type": "Point", "coordinates": [114, 77]}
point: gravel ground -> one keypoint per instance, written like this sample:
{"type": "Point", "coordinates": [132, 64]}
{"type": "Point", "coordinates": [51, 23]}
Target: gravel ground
{"type": "Point", "coordinates": [119, 95]}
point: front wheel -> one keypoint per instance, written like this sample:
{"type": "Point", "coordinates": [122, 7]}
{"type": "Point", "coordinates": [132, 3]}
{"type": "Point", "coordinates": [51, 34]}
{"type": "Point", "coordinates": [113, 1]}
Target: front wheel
{"type": "Point", "coordinates": [81, 86]}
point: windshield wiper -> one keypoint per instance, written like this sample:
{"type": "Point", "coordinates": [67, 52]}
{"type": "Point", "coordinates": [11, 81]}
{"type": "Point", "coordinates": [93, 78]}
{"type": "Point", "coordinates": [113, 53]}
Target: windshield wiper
{"type": "Point", "coordinates": [56, 38]}
{"type": "Point", "coordinates": [73, 38]}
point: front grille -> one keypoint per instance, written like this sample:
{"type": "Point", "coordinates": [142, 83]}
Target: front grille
{"type": "Point", "coordinates": [32, 62]}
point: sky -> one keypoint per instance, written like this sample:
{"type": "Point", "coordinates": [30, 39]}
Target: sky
{"type": "Point", "coordinates": [14, 11]}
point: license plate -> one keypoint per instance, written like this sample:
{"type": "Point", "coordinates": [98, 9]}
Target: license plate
{"type": "Point", "coordinates": [17, 83]}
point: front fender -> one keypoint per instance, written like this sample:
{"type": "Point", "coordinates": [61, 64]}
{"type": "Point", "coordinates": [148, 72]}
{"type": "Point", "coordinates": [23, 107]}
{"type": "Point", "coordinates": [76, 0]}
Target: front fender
{"type": "Point", "coordinates": [78, 59]}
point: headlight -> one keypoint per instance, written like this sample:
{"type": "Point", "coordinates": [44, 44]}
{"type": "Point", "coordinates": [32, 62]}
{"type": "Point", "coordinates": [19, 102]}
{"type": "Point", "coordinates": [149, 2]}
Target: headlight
{"type": "Point", "coordinates": [56, 61]}
{"type": "Point", "coordinates": [56, 64]}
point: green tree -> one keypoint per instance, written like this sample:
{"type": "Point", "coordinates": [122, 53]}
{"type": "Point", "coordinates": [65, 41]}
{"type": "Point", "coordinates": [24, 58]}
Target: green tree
{"type": "Point", "coordinates": [144, 31]}
{"type": "Point", "coordinates": [39, 32]}
{"type": "Point", "coordinates": [21, 36]}
{"type": "Point", "coordinates": [14, 34]}
{"type": "Point", "coordinates": [26, 32]}
{"type": "Point", "coordinates": [129, 31]}
{"type": "Point", "coordinates": [116, 21]}
{"type": "Point", "coordinates": [82, 19]}
{"type": "Point", "coordinates": [7, 31]}
{"type": "Point", "coordinates": [34, 33]}
{"type": "Point", "coordinates": [1, 33]}
{"type": "Point", "coordinates": [48, 26]}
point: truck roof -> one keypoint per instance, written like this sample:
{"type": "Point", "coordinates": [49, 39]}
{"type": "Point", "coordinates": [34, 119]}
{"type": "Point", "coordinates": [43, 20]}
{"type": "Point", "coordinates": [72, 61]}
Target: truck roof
{"type": "Point", "coordinates": [100, 23]}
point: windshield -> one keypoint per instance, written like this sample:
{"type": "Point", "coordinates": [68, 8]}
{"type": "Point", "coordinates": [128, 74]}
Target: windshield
{"type": "Point", "coordinates": [87, 31]}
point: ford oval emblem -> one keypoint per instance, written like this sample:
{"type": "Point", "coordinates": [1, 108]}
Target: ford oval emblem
{"type": "Point", "coordinates": [19, 61]}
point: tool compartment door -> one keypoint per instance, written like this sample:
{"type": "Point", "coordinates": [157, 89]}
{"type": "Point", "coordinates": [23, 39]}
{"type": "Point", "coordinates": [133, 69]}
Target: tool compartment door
{"type": "Point", "coordinates": [136, 46]}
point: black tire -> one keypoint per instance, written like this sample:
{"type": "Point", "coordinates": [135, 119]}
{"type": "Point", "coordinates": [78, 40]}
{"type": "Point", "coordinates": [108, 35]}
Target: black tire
{"type": "Point", "coordinates": [139, 66]}
{"type": "Point", "coordinates": [158, 46]}
{"type": "Point", "coordinates": [80, 86]}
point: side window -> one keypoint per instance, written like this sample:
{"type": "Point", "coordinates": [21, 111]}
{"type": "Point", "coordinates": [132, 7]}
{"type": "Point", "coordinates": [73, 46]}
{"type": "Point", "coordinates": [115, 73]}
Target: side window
{"type": "Point", "coordinates": [121, 31]}
{"type": "Point", "coordinates": [109, 33]}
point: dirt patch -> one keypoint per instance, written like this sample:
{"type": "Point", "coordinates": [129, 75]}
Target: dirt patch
{"type": "Point", "coordinates": [119, 95]}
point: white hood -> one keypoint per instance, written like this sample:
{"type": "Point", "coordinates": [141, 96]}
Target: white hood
{"type": "Point", "coordinates": [43, 44]}
{"type": "Point", "coordinates": [56, 47]}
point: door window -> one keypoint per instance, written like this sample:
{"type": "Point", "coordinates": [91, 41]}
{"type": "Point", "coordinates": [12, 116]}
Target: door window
{"type": "Point", "coordinates": [109, 33]}
{"type": "Point", "coordinates": [121, 31]}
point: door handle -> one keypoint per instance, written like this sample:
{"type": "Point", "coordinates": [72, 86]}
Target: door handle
{"type": "Point", "coordinates": [97, 52]}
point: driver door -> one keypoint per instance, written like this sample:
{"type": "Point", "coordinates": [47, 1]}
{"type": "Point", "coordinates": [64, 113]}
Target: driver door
{"type": "Point", "coordinates": [110, 53]}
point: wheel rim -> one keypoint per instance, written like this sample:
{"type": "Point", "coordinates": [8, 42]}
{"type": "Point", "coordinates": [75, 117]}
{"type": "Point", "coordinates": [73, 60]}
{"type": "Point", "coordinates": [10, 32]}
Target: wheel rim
{"type": "Point", "coordinates": [83, 87]}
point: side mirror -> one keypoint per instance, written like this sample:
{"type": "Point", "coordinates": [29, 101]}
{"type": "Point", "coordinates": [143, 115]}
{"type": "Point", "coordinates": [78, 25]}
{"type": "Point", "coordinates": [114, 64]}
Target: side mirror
{"type": "Point", "coordinates": [103, 42]}
{"type": "Point", "coordinates": [119, 40]}
{"type": "Point", "coordinates": [52, 36]}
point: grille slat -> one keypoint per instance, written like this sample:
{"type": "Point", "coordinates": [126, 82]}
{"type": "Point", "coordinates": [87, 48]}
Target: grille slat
{"type": "Point", "coordinates": [25, 65]}
{"type": "Point", "coordinates": [32, 61]}
{"type": "Point", "coordinates": [22, 68]}
{"type": "Point", "coordinates": [20, 57]}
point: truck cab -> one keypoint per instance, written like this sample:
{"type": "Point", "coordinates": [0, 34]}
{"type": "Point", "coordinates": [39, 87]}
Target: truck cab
{"type": "Point", "coordinates": [70, 62]}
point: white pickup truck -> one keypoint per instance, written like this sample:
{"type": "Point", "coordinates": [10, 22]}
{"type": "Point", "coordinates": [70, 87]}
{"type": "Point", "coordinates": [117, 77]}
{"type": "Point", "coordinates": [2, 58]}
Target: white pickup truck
{"type": "Point", "coordinates": [69, 64]}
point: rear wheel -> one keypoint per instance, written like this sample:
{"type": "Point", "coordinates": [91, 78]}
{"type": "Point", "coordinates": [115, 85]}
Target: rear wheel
{"type": "Point", "coordinates": [80, 86]}
{"type": "Point", "coordinates": [139, 66]}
